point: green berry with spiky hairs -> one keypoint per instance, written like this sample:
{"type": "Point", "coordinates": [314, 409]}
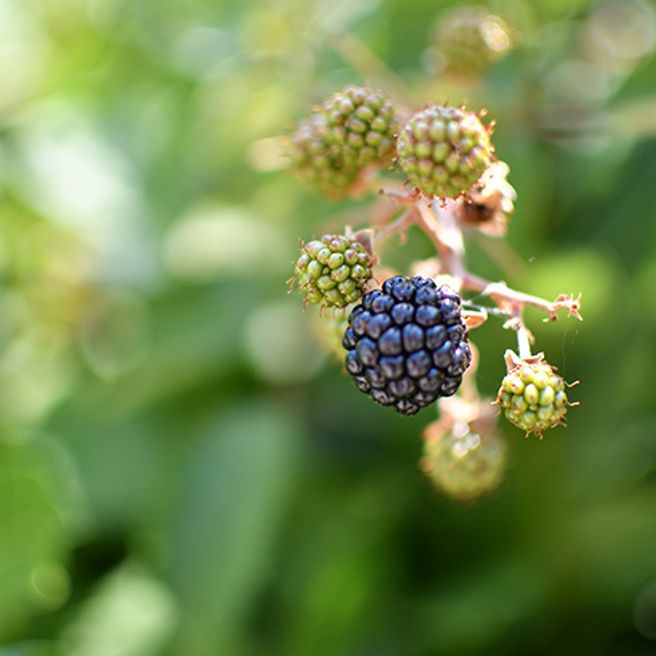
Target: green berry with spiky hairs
{"type": "Point", "coordinates": [463, 463]}
{"type": "Point", "coordinates": [354, 129]}
{"type": "Point", "coordinates": [332, 271]}
{"type": "Point", "coordinates": [532, 396]}
{"type": "Point", "coordinates": [470, 38]}
{"type": "Point", "coordinates": [314, 160]}
{"type": "Point", "coordinates": [444, 150]}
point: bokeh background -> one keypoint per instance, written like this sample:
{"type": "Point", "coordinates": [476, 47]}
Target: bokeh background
{"type": "Point", "coordinates": [182, 471]}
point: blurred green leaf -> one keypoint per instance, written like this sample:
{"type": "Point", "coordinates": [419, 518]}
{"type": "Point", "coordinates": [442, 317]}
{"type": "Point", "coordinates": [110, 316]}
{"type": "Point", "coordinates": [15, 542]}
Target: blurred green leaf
{"type": "Point", "coordinates": [227, 522]}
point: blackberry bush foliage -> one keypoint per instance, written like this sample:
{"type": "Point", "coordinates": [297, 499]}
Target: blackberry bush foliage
{"type": "Point", "coordinates": [404, 337]}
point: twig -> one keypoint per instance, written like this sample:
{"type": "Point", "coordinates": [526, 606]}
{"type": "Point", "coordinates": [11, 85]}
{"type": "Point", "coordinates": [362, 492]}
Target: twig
{"type": "Point", "coordinates": [400, 226]}
{"type": "Point", "coordinates": [439, 223]}
{"type": "Point", "coordinates": [449, 252]}
{"type": "Point", "coordinates": [510, 299]}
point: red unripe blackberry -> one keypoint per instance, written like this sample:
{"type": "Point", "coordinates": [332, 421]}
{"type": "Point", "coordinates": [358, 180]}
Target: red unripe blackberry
{"type": "Point", "coordinates": [444, 150]}
{"type": "Point", "coordinates": [407, 343]}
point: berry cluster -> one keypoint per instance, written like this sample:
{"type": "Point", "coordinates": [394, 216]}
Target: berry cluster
{"type": "Point", "coordinates": [463, 462]}
{"type": "Point", "coordinates": [407, 344]}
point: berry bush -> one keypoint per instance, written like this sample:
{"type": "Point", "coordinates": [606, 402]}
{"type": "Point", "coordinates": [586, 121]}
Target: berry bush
{"type": "Point", "coordinates": [406, 335]}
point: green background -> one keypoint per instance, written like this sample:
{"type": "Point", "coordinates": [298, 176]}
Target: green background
{"type": "Point", "coordinates": [182, 472]}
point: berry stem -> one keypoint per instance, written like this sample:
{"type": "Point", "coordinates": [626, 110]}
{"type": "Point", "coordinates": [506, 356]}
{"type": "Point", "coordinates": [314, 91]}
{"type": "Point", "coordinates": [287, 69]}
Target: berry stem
{"type": "Point", "coordinates": [438, 221]}
{"type": "Point", "coordinates": [523, 340]}
{"type": "Point", "coordinates": [399, 226]}
{"type": "Point", "coordinates": [511, 299]}
{"type": "Point", "coordinates": [439, 225]}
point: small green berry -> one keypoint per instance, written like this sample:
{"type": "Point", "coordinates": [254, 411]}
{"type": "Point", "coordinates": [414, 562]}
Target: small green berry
{"type": "Point", "coordinates": [463, 463]}
{"type": "Point", "coordinates": [329, 328]}
{"type": "Point", "coordinates": [327, 276]}
{"type": "Point", "coordinates": [354, 129]}
{"type": "Point", "coordinates": [469, 39]}
{"type": "Point", "coordinates": [532, 396]}
{"type": "Point", "coordinates": [444, 150]}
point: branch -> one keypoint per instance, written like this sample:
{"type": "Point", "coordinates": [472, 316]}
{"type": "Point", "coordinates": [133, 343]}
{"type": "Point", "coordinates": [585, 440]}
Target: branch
{"type": "Point", "coordinates": [512, 300]}
{"type": "Point", "coordinates": [400, 226]}
{"type": "Point", "coordinates": [439, 223]}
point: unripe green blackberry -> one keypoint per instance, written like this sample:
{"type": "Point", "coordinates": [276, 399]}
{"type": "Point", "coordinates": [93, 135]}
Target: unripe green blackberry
{"type": "Point", "coordinates": [315, 160]}
{"type": "Point", "coordinates": [444, 150]}
{"type": "Point", "coordinates": [361, 126]}
{"type": "Point", "coordinates": [332, 271]}
{"type": "Point", "coordinates": [352, 130]}
{"type": "Point", "coordinates": [469, 38]}
{"type": "Point", "coordinates": [532, 396]}
{"type": "Point", "coordinates": [463, 463]}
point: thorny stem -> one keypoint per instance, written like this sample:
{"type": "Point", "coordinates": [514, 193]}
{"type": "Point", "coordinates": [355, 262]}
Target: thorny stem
{"type": "Point", "coordinates": [400, 226]}
{"type": "Point", "coordinates": [441, 228]}
{"type": "Point", "coordinates": [439, 223]}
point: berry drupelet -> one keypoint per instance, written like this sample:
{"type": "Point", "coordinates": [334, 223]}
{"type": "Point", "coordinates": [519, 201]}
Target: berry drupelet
{"type": "Point", "coordinates": [407, 344]}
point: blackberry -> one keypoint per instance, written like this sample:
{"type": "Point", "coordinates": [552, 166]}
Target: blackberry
{"type": "Point", "coordinates": [462, 462]}
{"type": "Point", "coordinates": [444, 150]}
{"type": "Point", "coordinates": [332, 271]}
{"type": "Point", "coordinates": [407, 343]}
{"type": "Point", "coordinates": [532, 396]}
{"type": "Point", "coordinates": [315, 162]}
{"type": "Point", "coordinates": [469, 39]}
{"type": "Point", "coordinates": [352, 130]}
{"type": "Point", "coordinates": [361, 125]}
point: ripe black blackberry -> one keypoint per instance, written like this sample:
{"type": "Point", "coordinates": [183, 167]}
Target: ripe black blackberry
{"type": "Point", "coordinates": [407, 344]}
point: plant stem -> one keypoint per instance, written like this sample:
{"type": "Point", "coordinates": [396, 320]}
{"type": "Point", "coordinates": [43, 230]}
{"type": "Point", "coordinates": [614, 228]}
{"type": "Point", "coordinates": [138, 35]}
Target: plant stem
{"type": "Point", "coordinates": [523, 341]}
{"type": "Point", "coordinates": [407, 219]}
{"type": "Point", "coordinates": [438, 221]}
